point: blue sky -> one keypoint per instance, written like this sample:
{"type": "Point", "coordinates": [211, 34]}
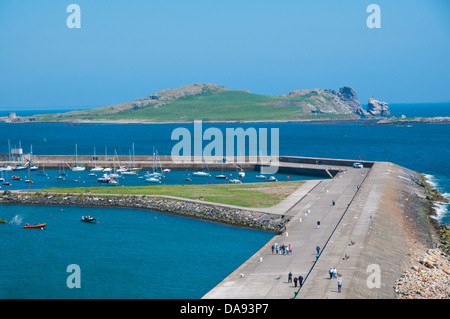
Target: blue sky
{"type": "Point", "coordinates": [125, 50]}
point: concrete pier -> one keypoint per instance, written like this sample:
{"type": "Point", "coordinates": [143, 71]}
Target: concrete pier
{"type": "Point", "coordinates": [364, 235]}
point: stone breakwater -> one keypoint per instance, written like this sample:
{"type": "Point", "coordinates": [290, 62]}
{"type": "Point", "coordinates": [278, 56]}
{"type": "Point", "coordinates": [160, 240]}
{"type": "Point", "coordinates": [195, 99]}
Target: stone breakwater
{"type": "Point", "coordinates": [205, 211]}
{"type": "Point", "coordinates": [428, 277]}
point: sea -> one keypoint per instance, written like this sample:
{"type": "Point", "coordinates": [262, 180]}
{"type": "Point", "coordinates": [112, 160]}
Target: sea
{"type": "Point", "coordinates": [131, 253]}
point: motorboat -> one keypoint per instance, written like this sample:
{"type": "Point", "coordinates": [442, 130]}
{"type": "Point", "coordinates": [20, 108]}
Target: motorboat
{"type": "Point", "coordinates": [104, 179]}
{"type": "Point", "coordinates": [41, 226]}
{"type": "Point", "coordinates": [6, 183]}
{"type": "Point", "coordinates": [272, 179]}
{"type": "Point", "coordinates": [129, 172]}
{"type": "Point", "coordinates": [97, 169]}
{"type": "Point", "coordinates": [166, 170]}
{"type": "Point", "coordinates": [221, 176]}
{"type": "Point", "coordinates": [88, 219]}
{"type": "Point", "coordinates": [113, 182]}
{"type": "Point", "coordinates": [260, 176]}
{"type": "Point", "coordinates": [33, 168]}
{"type": "Point", "coordinates": [16, 178]}
{"type": "Point", "coordinates": [201, 174]}
{"type": "Point", "coordinates": [241, 174]}
{"type": "Point", "coordinates": [235, 181]}
{"type": "Point", "coordinates": [3, 221]}
{"type": "Point", "coordinates": [152, 180]}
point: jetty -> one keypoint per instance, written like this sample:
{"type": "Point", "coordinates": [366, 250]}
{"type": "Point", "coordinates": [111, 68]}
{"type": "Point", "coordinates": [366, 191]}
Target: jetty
{"type": "Point", "coordinates": [365, 222]}
{"type": "Point", "coordinates": [370, 221]}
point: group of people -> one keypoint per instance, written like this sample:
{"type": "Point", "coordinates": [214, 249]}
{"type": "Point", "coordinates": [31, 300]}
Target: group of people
{"type": "Point", "coordinates": [281, 250]}
{"type": "Point", "coordinates": [333, 274]}
{"type": "Point", "coordinates": [298, 280]}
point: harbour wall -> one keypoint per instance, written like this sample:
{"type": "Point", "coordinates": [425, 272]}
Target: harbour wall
{"type": "Point", "coordinates": [308, 166]}
{"type": "Point", "coordinates": [247, 218]}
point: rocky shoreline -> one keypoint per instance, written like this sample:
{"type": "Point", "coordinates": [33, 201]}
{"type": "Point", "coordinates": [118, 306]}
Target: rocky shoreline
{"type": "Point", "coordinates": [427, 275]}
{"type": "Point", "coordinates": [208, 212]}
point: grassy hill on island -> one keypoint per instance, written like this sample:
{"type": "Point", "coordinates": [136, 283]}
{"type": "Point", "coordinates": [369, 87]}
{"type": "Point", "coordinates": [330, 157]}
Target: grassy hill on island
{"type": "Point", "coordinates": [211, 102]}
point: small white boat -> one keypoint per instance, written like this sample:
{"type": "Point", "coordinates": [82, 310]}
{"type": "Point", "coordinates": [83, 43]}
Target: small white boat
{"type": "Point", "coordinates": [113, 182]}
{"type": "Point", "coordinates": [201, 174]}
{"type": "Point", "coordinates": [152, 180]}
{"type": "Point", "coordinates": [234, 181]}
{"type": "Point", "coordinates": [272, 179]}
{"type": "Point", "coordinates": [78, 168]}
{"type": "Point", "coordinates": [107, 169]}
{"type": "Point", "coordinates": [260, 176]}
{"type": "Point", "coordinates": [241, 174]}
{"type": "Point", "coordinates": [129, 172]}
{"type": "Point", "coordinates": [97, 169]}
{"type": "Point", "coordinates": [104, 179]}
{"type": "Point", "coordinates": [166, 170]}
{"type": "Point", "coordinates": [221, 176]}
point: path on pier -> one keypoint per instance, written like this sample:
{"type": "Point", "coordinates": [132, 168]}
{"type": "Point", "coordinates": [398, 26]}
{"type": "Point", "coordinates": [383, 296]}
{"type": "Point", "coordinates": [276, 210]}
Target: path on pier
{"type": "Point", "coordinates": [265, 275]}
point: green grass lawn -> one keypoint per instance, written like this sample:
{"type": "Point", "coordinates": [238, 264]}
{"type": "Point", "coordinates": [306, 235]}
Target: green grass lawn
{"type": "Point", "coordinates": [247, 195]}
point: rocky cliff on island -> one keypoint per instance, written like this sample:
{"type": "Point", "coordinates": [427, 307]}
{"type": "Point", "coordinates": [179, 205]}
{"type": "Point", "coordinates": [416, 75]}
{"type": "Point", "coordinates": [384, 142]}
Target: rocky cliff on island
{"type": "Point", "coordinates": [377, 108]}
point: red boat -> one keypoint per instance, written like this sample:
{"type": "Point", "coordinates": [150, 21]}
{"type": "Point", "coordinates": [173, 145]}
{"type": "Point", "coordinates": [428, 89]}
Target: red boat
{"type": "Point", "coordinates": [35, 226]}
{"type": "Point", "coordinates": [16, 178]}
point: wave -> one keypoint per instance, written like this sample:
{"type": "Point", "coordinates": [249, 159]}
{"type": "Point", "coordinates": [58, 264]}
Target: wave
{"type": "Point", "coordinates": [16, 220]}
{"type": "Point", "coordinates": [431, 180]}
{"type": "Point", "coordinates": [441, 209]}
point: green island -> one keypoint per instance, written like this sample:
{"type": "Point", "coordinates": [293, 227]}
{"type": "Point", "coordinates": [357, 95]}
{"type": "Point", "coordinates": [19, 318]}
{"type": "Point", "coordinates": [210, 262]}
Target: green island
{"type": "Point", "coordinates": [215, 103]}
{"type": "Point", "coordinates": [258, 195]}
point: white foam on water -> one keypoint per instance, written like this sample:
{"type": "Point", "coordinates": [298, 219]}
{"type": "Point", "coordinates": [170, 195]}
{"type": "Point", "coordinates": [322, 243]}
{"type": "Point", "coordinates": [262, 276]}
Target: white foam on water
{"type": "Point", "coordinates": [16, 220]}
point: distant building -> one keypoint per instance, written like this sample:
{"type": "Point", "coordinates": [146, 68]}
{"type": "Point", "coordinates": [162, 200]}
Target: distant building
{"type": "Point", "coordinates": [12, 115]}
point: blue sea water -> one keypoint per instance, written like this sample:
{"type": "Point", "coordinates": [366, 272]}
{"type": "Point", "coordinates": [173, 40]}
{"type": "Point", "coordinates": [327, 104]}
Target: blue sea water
{"type": "Point", "coordinates": [128, 253]}
{"type": "Point", "coordinates": [422, 148]}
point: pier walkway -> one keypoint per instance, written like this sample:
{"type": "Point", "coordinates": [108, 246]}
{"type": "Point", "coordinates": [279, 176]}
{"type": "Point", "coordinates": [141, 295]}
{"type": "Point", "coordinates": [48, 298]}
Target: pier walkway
{"type": "Point", "coordinates": [343, 238]}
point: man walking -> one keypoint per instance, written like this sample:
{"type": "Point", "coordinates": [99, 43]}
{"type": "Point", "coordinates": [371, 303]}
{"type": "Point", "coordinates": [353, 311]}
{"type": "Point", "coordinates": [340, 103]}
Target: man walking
{"type": "Point", "coordinates": [318, 224]}
{"type": "Point", "coordinates": [339, 283]}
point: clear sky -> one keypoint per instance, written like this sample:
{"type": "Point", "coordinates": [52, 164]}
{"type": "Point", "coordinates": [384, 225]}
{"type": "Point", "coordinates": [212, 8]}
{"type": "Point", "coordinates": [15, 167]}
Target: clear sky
{"type": "Point", "coordinates": [125, 50]}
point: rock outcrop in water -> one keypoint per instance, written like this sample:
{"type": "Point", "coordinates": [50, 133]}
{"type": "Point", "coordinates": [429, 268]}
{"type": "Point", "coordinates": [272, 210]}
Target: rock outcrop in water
{"type": "Point", "coordinates": [377, 108]}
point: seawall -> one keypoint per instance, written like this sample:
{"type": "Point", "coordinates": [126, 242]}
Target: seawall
{"type": "Point", "coordinates": [380, 222]}
{"type": "Point", "coordinates": [182, 207]}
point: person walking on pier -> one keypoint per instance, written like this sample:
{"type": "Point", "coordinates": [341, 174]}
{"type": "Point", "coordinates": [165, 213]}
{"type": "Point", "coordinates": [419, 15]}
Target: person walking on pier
{"type": "Point", "coordinates": [339, 283]}
{"type": "Point", "coordinates": [318, 224]}
{"type": "Point", "coordinates": [318, 250]}
{"type": "Point", "coordinates": [295, 282]}
{"type": "Point", "coordinates": [300, 281]}
{"type": "Point", "coordinates": [333, 202]}
{"type": "Point", "coordinates": [290, 277]}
